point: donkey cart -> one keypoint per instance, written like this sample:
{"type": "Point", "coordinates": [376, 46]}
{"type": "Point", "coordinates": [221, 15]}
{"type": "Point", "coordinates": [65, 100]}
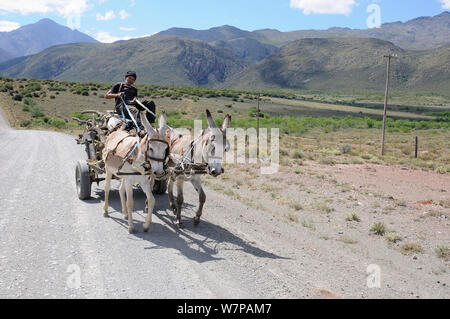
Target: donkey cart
{"type": "Point", "coordinates": [92, 170]}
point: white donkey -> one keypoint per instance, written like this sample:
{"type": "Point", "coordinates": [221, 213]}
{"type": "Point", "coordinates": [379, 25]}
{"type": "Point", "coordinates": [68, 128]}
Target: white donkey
{"type": "Point", "coordinates": [208, 149]}
{"type": "Point", "coordinates": [145, 161]}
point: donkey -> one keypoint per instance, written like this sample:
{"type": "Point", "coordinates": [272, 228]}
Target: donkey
{"type": "Point", "coordinates": [208, 149]}
{"type": "Point", "coordinates": [148, 157]}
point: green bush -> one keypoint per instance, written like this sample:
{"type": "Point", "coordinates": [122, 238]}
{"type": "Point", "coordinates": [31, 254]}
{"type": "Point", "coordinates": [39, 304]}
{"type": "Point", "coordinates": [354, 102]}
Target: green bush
{"type": "Point", "coordinates": [25, 123]}
{"type": "Point", "coordinates": [57, 122]}
{"type": "Point", "coordinates": [18, 97]}
{"type": "Point", "coordinates": [80, 116]}
{"type": "Point", "coordinates": [345, 149]}
{"type": "Point", "coordinates": [36, 112]}
{"type": "Point", "coordinates": [28, 101]}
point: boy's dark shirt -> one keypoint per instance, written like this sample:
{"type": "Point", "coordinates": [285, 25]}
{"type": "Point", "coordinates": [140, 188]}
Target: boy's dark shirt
{"type": "Point", "coordinates": [130, 93]}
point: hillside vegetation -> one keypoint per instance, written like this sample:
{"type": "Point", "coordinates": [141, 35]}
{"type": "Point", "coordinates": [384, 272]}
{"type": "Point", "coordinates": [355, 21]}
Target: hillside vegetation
{"type": "Point", "coordinates": [347, 64]}
{"type": "Point", "coordinates": [311, 64]}
{"type": "Point", "coordinates": [161, 60]}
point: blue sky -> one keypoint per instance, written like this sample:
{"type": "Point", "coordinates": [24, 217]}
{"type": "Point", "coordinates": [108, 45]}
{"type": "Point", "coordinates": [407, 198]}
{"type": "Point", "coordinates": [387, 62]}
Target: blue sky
{"type": "Point", "coordinates": [110, 20]}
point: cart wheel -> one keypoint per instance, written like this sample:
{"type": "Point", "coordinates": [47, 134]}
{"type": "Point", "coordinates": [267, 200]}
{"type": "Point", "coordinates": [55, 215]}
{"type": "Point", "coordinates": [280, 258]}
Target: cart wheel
{"type": "Point", "coordinates": [83, 180]}
{"type": "Point", "coordinates": [160, 187]}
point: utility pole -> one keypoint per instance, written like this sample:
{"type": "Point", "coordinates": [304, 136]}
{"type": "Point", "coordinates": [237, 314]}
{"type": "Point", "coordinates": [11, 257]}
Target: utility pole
{"type": "Point", "coordinates": [416, 153]}
{"type": "Point", "coordinates": [389, 57]}
{"type": "Point", "coordinates": [257, 124]}
{"type": "Point", "coordinates": [360, 138]}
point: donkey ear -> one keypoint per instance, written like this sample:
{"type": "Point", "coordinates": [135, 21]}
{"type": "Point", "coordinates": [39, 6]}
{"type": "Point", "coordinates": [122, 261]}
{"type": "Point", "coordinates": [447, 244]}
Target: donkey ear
{"type": "Point", "coordinates": [148, 127]}
{"type": "Point", "coordinates": [211, 122]}
{"type": "Point", "coordinates": [162, 123]}
{"type": "Point", "coordinates": [226, 122]}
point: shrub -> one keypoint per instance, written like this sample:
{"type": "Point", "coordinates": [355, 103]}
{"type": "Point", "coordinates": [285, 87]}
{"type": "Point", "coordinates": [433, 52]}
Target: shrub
{"type": "Point", "coordinates": [308, 224]}
{"type": "Point", "coordinates": [252, 112]}
{"type": "Point", "coordinates": [57, 122]}
{"type": "Point", "coordinates": [18, 97]}
{"type": "Point", "coordinates": [284, 152]}
{"type": "Point", "coordinates": [411, 248]}
{"type": "Point", "coordinates": [378, 229]}
{"type": "Point", "coordinates": [25, 123]}
{"type": "Point", "coordinates": [327, 161]}
{"type": "Point", "coordinates": [353, 217]}
{"type": "Point", "coordinates": [345, 149]}
{"type": "Point", "coordinates": [443, 252]}
{"type": "Point", "coordinates": [36, 112]}
{"type": "Point", "coordinates": [29, 101]}
{"type": "Point", "coordinates": [297, 155]}
{"type": "Point", "coordinates": [393, 237]}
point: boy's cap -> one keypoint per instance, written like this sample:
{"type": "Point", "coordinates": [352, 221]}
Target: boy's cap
{"type": "Point", "coordinates": [131, 73]}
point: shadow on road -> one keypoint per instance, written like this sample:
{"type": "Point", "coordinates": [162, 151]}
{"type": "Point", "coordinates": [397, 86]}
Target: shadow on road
{"type": "Point", "coordinates": [199, 243]}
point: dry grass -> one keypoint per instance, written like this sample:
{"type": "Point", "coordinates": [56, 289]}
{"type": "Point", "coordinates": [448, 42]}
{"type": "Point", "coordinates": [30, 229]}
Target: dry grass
{"type": "Point", "coordinates": [292, 218]}
{"type": "Point", "coordinates": [347, 240]}
{"type": "Point", "coordinates": [309, 224]}
{"type": "Point", "coordinates": [411, 248]}
{"type": "Point", "coordinates": [324, 208]}
{"type": "Point", "coordinates": [443, 252]}
{"type": "Point", "coordinates": [393, 237]}
{"type": "Point", "coordinates": [353, 217]}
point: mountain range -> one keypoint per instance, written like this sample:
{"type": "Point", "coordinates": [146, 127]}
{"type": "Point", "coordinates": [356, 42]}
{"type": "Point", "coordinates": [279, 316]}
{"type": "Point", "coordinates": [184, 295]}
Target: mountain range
{"type": "Point", "coordinates": [166, 60]}
{"type": "Point", "coordinates": [228, 57]}
{"type": "Point", "coordinates": [418, 34]}
{"type": "Point", "coordinates": [34, 38]}
{"type": "Point", "coordinates": [347, 63]}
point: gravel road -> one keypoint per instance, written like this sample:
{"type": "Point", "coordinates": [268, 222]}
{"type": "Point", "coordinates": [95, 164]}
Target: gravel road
{"type": "Point", "coordinates": [48, 237]}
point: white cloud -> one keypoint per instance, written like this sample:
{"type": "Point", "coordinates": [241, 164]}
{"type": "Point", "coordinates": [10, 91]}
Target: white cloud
{"type": "Point", "coordinates": [64, 8]}
{"type": "Point", "coordinates": [108, 16]}
{"type": "Point", "coordinates": [445, 4]}
{"type": "Point", "coordinates": [123, 14]}
{"type": "Point", "coordinates": [106, 37]}
{"type": "Point", "coordinates": [6, 26]}
{"type": "Point", "coordinates": [132, 3]}
{"type": "Point", "coordinates": [127, 29]}
{"type": "Point", "coordinates": [324, 6]}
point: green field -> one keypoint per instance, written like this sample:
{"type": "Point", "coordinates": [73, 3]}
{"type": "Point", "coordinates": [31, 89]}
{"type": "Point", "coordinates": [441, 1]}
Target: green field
{"type": "Point", "coordinates": [312, 126]}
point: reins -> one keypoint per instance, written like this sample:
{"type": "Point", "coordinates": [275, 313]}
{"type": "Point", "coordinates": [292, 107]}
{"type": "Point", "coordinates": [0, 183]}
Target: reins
{"type": "Point", "coordinates": [129, 113]}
